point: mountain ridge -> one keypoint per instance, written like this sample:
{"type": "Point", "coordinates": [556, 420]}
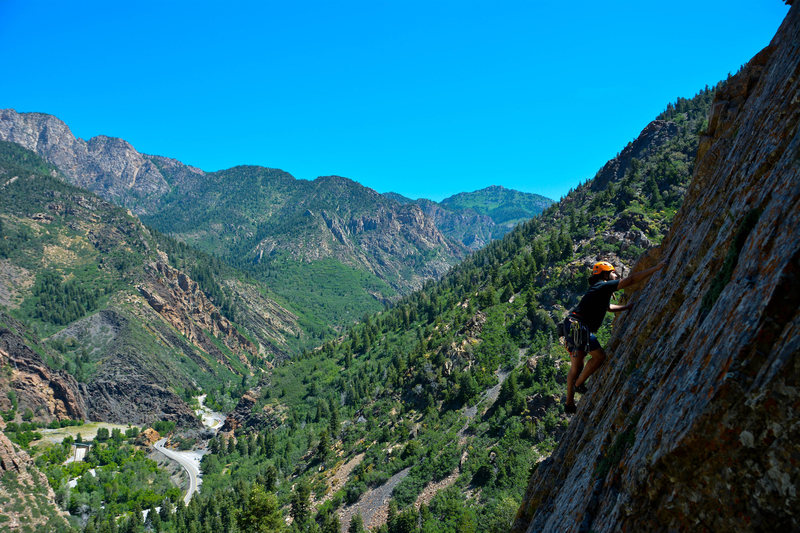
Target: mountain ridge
{"type": "Point", "coordinates": [265, 221]}
{"type": "Point", "coordinates": [137, 333]}
{"type": "Point", "coordinates": [476, 218]}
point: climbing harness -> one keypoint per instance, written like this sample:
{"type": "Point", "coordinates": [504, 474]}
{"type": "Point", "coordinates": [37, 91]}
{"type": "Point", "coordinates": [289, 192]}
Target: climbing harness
{"type": "Point", "coordinates": [575, 334]}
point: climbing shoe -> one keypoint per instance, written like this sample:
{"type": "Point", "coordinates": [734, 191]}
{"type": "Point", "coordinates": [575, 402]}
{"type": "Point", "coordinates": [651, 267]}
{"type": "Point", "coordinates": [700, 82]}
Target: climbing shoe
{"type": "Point", "coordinates": [570, 408]}
{"type": "Point", "coordinates": [581, 388]}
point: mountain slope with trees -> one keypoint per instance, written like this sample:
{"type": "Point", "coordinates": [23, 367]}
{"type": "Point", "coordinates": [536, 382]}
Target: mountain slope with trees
{"type": "Point", "coordinates": [139, 319]}
{"type": "Point", "coordinates": [450, 397]}
{"type": "Point", "coordinates": [506, 207]}
{"type": "Point", "coordinates": [476, 218]}
{"type": "Point", "coordinates": [358, 250]}
{"type": "Point", "coordinates": [331, 245]}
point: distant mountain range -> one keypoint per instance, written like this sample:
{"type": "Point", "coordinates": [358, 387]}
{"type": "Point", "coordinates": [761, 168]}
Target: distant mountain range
{"type": "Point", "coordinates": [476, 218]}
{"type": "Point", "coordinates": [334, 247]}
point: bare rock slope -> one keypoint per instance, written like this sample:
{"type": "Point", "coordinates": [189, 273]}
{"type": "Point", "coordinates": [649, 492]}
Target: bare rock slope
{"type": "Point", "coordinates": [50, 394]}
{"type": "Point", "coordinates": [692, 423]}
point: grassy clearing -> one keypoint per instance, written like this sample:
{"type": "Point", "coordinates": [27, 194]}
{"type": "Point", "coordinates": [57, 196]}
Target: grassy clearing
{"type": "Point", "coordinates": [88, 431]}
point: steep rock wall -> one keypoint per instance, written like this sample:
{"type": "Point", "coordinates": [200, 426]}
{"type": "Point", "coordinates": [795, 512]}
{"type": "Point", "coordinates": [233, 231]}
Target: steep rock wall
{"type": "Point", "coordinates": [691, 425]}
{"type": "Point", "coordinates": [179, 300]}
{"type": "Point", "coordinates": [49, 394]}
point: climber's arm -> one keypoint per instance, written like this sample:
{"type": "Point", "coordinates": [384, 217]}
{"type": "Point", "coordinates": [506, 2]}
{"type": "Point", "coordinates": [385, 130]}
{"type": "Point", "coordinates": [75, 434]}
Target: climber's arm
{"type": "Point", "coordinates": [639, 276]}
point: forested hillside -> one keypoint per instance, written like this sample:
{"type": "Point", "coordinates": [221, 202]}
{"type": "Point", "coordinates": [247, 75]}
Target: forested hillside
{"type": "Point", "coordinates": [447, 400]}
{"type": "Point", "coordinates": [336, 249]}
{"type": "Point", "coordinates": [506, 207]}
{"type": "Point", "coordinates": [139, 319]}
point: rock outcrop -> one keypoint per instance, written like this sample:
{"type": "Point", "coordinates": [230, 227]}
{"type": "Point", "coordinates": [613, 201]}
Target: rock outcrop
{"type": "Point", "coordinates": [691, 425]}
{"type": "Point", "coordinates": [49, 394]}
{"type": "Point", "coordinates": [179, 300]}
{"type": "Point", "coordinates": [468, 227]}
{"type": "Point", "coordinates": [334, 217]}
{"type": "Point", "coordinates": [131, 381]}
{"type": "Point", "coordinates": [246, 415]}
{"type": "Point", "coordinates": [125, 393]}
{"type": "Point", "coordinates": [108, 166]}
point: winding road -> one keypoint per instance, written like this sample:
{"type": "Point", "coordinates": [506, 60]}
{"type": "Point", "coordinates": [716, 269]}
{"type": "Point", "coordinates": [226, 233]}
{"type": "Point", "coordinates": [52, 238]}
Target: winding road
{"type": "Point", "coordinates": [190, 461]}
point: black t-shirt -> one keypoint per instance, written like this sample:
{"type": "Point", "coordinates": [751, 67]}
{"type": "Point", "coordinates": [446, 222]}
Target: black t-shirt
{"type": "Point", "coordinates": [594, 304]}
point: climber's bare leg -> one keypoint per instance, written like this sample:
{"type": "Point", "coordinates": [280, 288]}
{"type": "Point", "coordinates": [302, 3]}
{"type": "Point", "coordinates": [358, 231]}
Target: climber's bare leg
{"type": "Point", "coordinates": [598, 356]}
{"type": "Point", "coordinates": [574, 371]}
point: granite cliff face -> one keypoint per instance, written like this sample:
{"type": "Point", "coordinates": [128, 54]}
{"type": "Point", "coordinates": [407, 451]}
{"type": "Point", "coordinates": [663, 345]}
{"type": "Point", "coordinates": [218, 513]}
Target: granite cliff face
{"type": "Point", "coordinates": [691, 425]}
{"type": "Point", "coordinates": [108, 166]}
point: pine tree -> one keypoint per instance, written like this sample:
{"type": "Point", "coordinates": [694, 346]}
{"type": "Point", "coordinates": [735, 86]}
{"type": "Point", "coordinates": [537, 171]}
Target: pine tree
{"type": "Point", "coordinates": [269, 478]}
{"type": "Point", "coordinates": [153, 519]}
{"type": "Point", "coordinates": [333, 421]}
{"type": "Point", "coordinates": [165, 512]}
{"type": "Point", "coordinates": [301, 504]}
{"type": "Point", "coordinates": [329, 521]}
{"type": "Point", "coordinates": [324, 446]}
{"type": "Point", "coordinates": [356, 524]}
{"type": "Point", "coordinates": [261, 512]}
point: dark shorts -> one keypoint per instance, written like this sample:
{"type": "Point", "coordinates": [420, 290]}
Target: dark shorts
{"type": "Point", "coordinates": [594, 344]}
{"type": "Point", "coordinates": [577, 336]}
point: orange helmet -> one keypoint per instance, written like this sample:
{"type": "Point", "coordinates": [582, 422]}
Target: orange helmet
{"type": "Point", "coordinates": [602, 266]}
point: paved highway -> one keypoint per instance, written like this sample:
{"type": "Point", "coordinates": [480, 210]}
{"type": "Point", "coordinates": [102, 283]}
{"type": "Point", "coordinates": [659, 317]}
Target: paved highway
{"type": "Point", "coordinates": [190, 461]}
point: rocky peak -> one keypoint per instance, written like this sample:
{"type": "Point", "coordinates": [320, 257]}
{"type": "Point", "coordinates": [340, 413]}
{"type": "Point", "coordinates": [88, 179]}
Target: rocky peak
{"type": "Point", "coordinates": [107, 166]}
{"type": "Point", "coordinates": [691, 424]}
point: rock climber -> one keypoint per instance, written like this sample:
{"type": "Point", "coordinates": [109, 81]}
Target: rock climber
{"type": "Point", "coordinates": [584, 320]}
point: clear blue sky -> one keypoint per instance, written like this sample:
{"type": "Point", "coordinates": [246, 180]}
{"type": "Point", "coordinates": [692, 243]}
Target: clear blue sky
{"type": "Point", "coordinates": [422, 98]}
